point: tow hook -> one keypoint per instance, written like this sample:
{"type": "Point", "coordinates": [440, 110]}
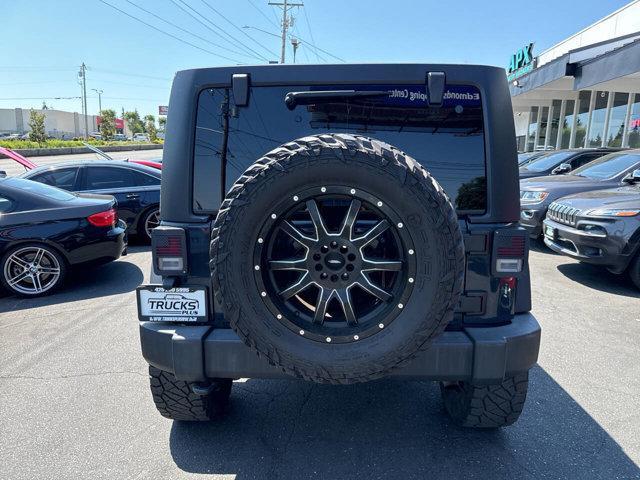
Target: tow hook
{"type": "Point", "coordinates": [202, 389]}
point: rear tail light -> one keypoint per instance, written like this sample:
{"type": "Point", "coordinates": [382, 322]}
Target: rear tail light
{"type": "Point", "coordinates": [103, 219]}
{"type": "Point", "coordinates": [509, 251]}
{"type": "Point", "coordinates": [169, 249]}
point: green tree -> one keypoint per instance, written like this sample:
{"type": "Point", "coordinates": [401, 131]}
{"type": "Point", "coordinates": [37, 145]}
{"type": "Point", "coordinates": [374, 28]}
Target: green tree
{"type": "Point", "coordinates": [107, 124]}
{"type": "Point", "coordinates": [134, 122]}
{"type": "Point", "coordinates": [36, 123]}
{"type": "Point", "coordinates": [472, 195]}
{"type": "Point", "coordinates": [150, 127]}
{"type": "Point", "coordinates": [162, 123]}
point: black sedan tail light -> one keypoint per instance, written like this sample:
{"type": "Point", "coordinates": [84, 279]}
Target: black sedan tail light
{"type": "Point", "coordinates": [108, 218]}
{"type": "Point", "coordinates": [169, 250]}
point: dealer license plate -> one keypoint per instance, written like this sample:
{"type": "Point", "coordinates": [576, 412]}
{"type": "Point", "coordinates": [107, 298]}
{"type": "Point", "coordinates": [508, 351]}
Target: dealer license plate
{"type": "Point", "coordinates": [181, 304]}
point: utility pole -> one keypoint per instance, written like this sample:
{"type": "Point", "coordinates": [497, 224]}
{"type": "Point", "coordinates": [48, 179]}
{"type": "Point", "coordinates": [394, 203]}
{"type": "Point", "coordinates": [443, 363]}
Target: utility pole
{"type": "Point", "coordinates": [99, 92]}
{"type": "Point", "coordinates": [286, 6]}
{"type": "Point", "coordinates": [83, 76]}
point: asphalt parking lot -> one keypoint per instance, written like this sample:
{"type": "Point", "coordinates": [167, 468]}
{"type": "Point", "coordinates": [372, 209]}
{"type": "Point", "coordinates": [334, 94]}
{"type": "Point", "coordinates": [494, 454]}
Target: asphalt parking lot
{"type": "Point", "coordinates": [75, 402]}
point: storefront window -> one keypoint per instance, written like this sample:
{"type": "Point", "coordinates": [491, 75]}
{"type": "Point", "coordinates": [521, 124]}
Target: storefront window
{"type": "Point", "coordinates": [634, 123]}
{"type": "Point", "coordinates": [555, 120]}
{"type": "Point", "coordinates": [533, 121]}
{"type": "Point", "coordinates": [598, 116]}
{"type": "Point", "coordinates": [584, 98]}
{"type": "Point", "coordinates": [542, 130]}
{"type": "Point", "coordinates": [616, 119]}
{"type": "Point", "coordinates": [567, 122]}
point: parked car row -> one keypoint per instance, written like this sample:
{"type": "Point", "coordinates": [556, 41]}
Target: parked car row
{"type": "Point", "coordinates": [587, 211]}
{"type": "Point", "coordinates": [45, 231]}
{"type": "Point", "coordinates": [55, 217]}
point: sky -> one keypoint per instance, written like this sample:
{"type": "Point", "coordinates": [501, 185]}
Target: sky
{"type": "Point", "coordinates": [132, 63]}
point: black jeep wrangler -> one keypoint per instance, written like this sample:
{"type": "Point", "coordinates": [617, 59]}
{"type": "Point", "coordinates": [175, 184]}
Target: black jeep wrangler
{"type": "Point", "coordinates": [339, 224]}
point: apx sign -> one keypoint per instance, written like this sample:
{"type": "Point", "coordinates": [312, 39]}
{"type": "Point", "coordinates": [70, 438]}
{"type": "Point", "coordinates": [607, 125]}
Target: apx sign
{"type": "Point", "coordinates": [521, 62]}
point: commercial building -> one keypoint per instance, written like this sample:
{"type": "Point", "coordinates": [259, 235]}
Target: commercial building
{"type": "Point", "coordinates": [583, 91]}
{"type": "Point", "coordinates": [58, 124]}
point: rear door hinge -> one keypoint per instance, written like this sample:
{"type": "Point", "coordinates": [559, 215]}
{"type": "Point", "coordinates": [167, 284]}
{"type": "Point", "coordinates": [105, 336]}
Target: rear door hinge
{"type": "Point", "coordinates": [471, 303]}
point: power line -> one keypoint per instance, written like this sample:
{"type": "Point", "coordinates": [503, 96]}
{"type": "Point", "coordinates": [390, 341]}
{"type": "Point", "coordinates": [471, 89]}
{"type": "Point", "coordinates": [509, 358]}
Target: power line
{"type": "Point", "coordinates": [315, 47]}
{"type": "Point", "coordinates": [304, 42]}
{"type": "Point", "coordinates": [273, 12]}
{"type": "Point", "coordinates": [304, 50]}
{"type": "Point", "coordinates": [167, 33]}
{"type": "Point", "coordinates": [36, 67]}
{"type": "Point", "coordinates": [306, 17]}
{"type": "Point", "coordinates": [127, 74]}
{"type": "Point", "coordinates": [130, 98]}
{"type": "Point", "coordinates": [275, 24]}
{"type": "Point", "coordinates": [238, 28]}
{"type": "Point", "coordinates": [252, 53]}
{"type": "Point", "coordinates": [33, 83]}
{"type": "Point", "coordinates": [184, 30]}
{"type": "Point", "coordinates": [111, 82]}
{"type": "Point", "coordinates": [40, 98]}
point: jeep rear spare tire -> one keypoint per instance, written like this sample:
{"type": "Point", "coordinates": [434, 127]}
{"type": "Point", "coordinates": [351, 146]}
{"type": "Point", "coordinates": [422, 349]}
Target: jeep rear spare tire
{"type": "Point", "coordinates": [337, 258]}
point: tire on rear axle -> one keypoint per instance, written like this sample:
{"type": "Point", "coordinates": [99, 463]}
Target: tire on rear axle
{"type": "Point", "coordinates": [359, 333]}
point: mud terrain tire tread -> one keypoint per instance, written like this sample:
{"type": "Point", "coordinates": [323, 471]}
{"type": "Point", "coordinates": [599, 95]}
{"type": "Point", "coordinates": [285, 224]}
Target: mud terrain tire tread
{"type": "Point", "coordinates": [175, 400]}
{"type": "Point", "coordinates": [486, 406]}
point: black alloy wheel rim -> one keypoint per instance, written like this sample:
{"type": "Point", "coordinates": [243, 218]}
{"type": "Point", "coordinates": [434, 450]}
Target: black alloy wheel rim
{"type": "Point", "coordinates": [334, 264]}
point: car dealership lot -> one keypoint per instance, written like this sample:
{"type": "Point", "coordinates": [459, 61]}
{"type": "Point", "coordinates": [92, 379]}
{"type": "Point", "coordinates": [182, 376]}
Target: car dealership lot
{"type": "Point", "coordinates": [13, 168]}
{"type": "Point", "coordinates": [74, 401]}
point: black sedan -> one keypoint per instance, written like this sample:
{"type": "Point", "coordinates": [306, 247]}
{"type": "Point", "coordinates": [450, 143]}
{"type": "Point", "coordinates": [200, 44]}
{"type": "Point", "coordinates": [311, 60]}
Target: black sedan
{"type": "Point", "coordinates": [562, 161]}
{"type": "Point", "coordinates": [135, 187]}
{"type": "Point", "coordinates": [44, 231]}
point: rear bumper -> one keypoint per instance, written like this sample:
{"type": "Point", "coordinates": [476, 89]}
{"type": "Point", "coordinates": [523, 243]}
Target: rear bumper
{"type": "Point", "coordinates": [104, 247]}
{"type": "Point", "coordinates": [595, 249]}
{"type": "Point", "coordinates": [480, 355]}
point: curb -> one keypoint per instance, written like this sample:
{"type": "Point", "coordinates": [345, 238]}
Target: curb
{"type": "Point", "coordinates": [40, 152]}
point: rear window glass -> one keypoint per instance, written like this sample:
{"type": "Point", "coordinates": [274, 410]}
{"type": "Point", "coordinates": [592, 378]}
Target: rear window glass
{"type": "Point", "coordinates": [608, 166]}
{"type": "Point", "coordinates": [39, 189]}
{"type": "Point", "coordinates": [448, 141]}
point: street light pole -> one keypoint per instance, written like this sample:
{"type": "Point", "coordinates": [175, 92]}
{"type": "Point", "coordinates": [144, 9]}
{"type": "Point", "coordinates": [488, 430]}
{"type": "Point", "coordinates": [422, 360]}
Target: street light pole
{"type": "Point", "coordinates": [99, 92]}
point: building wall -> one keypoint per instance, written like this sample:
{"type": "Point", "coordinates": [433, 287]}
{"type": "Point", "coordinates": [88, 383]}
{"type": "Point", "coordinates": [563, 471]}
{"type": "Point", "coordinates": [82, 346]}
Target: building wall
{"type": "Point", "coordinates": [7, 120]}
{"type": "Point", "coordinates": [57, 123]}
{"type": "Point", "coordinates": [624, 21]}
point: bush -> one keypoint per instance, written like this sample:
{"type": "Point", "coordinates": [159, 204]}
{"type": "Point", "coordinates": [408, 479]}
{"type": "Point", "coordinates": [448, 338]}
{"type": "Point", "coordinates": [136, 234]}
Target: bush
{"type": "Point", "coordinates": [36, 124]}
{"type": "Point", "coordinates": [55, 143]}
